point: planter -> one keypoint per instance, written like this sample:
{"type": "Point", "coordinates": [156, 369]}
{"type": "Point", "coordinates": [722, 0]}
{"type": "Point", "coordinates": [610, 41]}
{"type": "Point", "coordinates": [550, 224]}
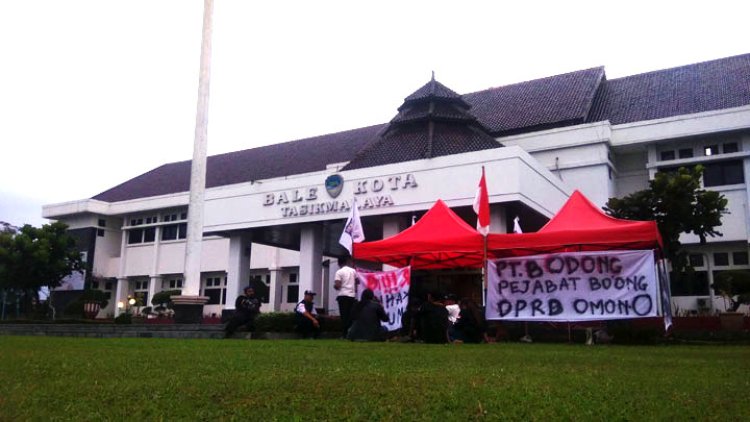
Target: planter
{"type": "Point", "coordinates": [732, 321]}
{"type": "Point", "coordinates": [91, 309]}
{"type": "Point", "coordinates": [188, 309]}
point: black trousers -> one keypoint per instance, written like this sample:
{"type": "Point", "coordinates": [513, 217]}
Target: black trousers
{"type": "Point", "coordinates": [346, 304]}
{"type": "Point", "coordinates": [306, 328]}
{"type": "Point", "coordinates": [238, 320]}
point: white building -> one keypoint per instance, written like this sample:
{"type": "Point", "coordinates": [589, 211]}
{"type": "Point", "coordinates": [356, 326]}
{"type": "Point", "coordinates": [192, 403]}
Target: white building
{"type": "Point", "coordinates": [271, 219]}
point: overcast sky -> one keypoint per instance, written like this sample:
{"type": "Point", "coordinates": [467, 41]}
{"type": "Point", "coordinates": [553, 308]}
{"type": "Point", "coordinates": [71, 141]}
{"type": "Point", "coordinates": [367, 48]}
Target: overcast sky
{"type": "Point", "coordinates": [93, 93]}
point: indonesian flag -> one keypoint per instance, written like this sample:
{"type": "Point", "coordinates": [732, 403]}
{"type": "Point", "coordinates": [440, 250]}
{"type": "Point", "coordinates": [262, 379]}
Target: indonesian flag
{"type": "Point", "coordinates": [353, 230]}
{"type": "Point", "coordinates": [482, 206]}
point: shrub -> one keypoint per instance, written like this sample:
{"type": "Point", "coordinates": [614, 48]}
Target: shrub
{"type": "Point", "coordinates": [125, 318]}
{"type": "Point", "coordinates": [163, 298]}
{"type": "Point", "coordinates": [97, 296]}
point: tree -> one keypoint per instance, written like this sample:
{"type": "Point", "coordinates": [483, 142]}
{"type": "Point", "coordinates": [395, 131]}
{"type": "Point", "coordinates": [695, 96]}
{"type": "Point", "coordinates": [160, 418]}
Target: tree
{"type": "Point", "coordinates": [731, 284]}
{"type": "Point", "coordinates": [678, 204]}
{"type": "Point", "coordinates": [34, 258]}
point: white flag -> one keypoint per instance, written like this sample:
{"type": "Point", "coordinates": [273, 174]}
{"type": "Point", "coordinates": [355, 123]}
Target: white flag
{"type": "Point", "coordinates": [517, 225]}
{"type": "Point", "coordinates": [353, 231]}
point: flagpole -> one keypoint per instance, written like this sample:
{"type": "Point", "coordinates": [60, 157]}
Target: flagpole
{"type": "Point", "coordinates": [484, 273]}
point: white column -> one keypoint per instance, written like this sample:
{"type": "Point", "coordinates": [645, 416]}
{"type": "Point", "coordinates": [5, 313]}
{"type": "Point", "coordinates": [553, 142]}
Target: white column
{"type": "Point", "coordinates": [238, 270]}
{"type": "Point", "coordinates": [310, 258]}
{"type": "Point", "coordinates": [194, 241]}
{"type": "Point", "coordinates": [121, 294]}
{"type": "Point", "coordinates": [275, 290]}
{"type": "Point", "coordinates": [154, 287]}
{"type": "Point", "coordinates": [392, 225]}
{"type": "Point", "coordinates": [499, 219]}
{"type": "Point", "coordinates": [325, 289]}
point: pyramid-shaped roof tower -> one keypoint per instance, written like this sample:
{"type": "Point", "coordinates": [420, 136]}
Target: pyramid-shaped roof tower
{"type": "Point", "coordinates": [433, 121]}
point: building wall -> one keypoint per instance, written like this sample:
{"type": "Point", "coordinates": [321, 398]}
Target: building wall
{"type": "Point", "coordinates": [601, 160]}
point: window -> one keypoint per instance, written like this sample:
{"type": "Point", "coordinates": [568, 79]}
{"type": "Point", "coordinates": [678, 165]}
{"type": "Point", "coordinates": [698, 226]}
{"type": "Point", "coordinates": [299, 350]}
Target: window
{"type": "Point", "coordinates": [174, 231]}
{"type": "Point", "coordinates": [689, 283]}
{"type": "Point", "coordinates": [730, 147]}
{"type": "Point", "coordinates": [100, 232]}
{"type": "Point", "coordinates": [292, 289]}
{"type": "Point", "coordinates": [108, 285]}
{"type": "Point", "coordinates": [135, 236]}
{"type": "Point", "coordinates": [174, 283]}
{"type": "Point", "coordinates": [95, 285]}
{"type": "Point", "coordinates": [710, 150]}
{"type": "Point", "coordinates": [141, 293]}
{"type": "Point", "coordinates": [261, 282]}
{"type": "Point", "coordinates": [667, 155]}
{"type": "Point", "coordinates": [142, 235]}
{"type": "Point", "coordinates": [739, 258]}
{"type": "Point", "coordinates": [686, 153]}
{"type": "Point", "coordinates": [723, 173]}
{"type": "Point", "coordinates": [721, 259]}
{"type": "Point", "coordinates": [101, 222]}
{"type": "Point", "coordinates": [216, 290]}
{"type": "Point", "coordinates": [696, 260]}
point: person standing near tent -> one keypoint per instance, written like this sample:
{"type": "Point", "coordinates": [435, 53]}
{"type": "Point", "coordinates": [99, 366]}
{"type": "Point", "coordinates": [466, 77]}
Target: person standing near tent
{"type": "Point", "coordinates": [345, 282]}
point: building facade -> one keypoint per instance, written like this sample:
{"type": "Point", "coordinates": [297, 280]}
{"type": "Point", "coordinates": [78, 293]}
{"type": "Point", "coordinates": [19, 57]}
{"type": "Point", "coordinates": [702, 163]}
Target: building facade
{"type": "Point", "coordinates": [273, 214]}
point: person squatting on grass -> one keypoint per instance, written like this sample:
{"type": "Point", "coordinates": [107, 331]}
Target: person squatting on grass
{"type": "Point", "coordinates": [433, 320]}
{"type": "Point", "coordinates": [306, 316]}
{"type": "Point", "coordinates": [367, 315]}
{"type": "Point", "coordinates": [247, 308]}
{"type": "Point", "coordinates": [471, 326]}
{"type": "Point", "coordinates": [345, 282]}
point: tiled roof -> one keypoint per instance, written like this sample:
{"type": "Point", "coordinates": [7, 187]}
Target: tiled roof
{"type": "Point", "coordinates": [434, 121]}
{"type": "Point", "coordinates": [296, 157]}
{"type": "Point", "coordinates": [712, 85]}
{"type": "Point", "coordinates": [432, 88]}
{"type": "Point", "coordinates": [556, 100]}
{"type": "Point", "coordinates": [412, 143]}
{"type": "Point", "coordinates": [562, 100]}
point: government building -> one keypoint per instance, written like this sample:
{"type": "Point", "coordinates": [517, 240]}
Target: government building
{"type": "Point", "coordinates": [273, 214]}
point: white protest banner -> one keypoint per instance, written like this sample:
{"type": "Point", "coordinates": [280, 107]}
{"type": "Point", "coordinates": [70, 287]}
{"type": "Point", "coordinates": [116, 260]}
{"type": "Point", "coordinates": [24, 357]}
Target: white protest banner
{"type": "Point", "coordinates": [579, 286]}
{"type": "Point", "coordinates": [391, 288]}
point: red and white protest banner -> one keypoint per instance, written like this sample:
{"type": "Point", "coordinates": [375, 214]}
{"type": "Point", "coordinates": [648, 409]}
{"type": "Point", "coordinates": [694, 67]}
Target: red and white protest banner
{"type": "Point", "coordinates": [391, 288]}
{"type": "Point", "coordinates": [579, 286]}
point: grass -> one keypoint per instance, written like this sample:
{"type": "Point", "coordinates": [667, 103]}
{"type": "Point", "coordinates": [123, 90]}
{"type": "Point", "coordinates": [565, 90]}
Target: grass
{"type": "Point", "coordinates": [54, 378]}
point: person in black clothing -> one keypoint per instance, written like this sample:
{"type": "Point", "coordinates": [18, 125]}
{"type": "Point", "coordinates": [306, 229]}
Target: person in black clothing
{"type": "Point", "coordinates": [247, 308]}
{"type": "Point", "coordinates": [367, 315]}
{"type": "Point", "coordinates": [307, 317]}
{"type": "Point", "coordinates": [471, 326]}
{"type": "Point", "coordinates": [433, 319]}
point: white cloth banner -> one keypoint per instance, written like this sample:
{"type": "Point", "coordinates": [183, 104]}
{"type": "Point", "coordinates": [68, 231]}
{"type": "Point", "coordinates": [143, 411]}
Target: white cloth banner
{"type": "Point", "coordinates": [391, 288]}
{"type": "Point", "coordinates": [579, 286]}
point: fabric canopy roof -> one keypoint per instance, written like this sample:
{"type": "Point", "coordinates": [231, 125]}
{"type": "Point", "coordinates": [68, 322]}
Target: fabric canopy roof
{"type": "Point", "coordinates": [578, 226]}
{"type": "Point", "coordinates": [440, 239]}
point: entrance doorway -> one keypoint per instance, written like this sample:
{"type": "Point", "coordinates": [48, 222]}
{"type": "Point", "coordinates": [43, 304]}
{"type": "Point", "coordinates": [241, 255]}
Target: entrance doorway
{"type": "Point", "coordinates": [462, 283]}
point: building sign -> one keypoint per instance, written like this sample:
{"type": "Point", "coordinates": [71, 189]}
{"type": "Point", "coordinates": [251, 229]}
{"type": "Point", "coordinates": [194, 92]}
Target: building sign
{"type": "Point", "coordinates": [370, 193]}
{"type": "Point", "coordinates": [580, 286]}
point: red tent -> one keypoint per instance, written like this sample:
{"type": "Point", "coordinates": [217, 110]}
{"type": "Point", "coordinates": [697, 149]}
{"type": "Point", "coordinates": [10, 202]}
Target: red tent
{"type": "Point", "coordinates": [440, 239]}
{"type": "Point", "coordinates": [578, 226]}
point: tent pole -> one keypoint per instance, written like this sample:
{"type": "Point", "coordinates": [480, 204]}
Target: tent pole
{"type": "Point", "coordinates": [485, 276]}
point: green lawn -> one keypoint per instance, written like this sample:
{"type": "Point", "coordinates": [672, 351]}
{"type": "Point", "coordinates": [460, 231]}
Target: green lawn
{"type": "Point", "coordinates": [153, 379]}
